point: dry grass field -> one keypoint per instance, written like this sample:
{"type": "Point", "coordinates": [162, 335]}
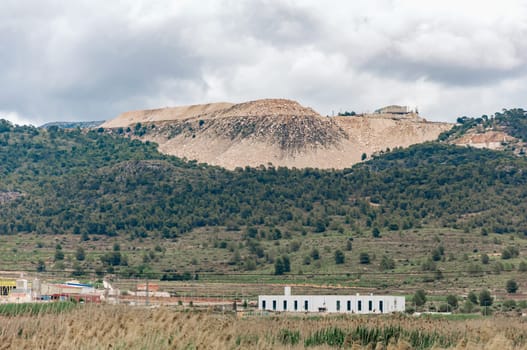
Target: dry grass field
{"type": "Point", "coordinates": [119, 327]}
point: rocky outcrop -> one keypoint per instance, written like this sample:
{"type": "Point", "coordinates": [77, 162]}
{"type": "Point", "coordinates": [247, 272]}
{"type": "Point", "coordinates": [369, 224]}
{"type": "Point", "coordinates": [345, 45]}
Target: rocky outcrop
{"type": "Point", "coordinates": [9, 196]}
{"type": "Point", "coordinates": [273, 131]}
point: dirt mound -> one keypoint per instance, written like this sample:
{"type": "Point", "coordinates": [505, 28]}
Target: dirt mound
{"type": "Point", "coordinates": [269, 108]}
{"type": "Point", "coordinates": [273, 131]}
{"type": "Point", "coordinates": [164, 114]}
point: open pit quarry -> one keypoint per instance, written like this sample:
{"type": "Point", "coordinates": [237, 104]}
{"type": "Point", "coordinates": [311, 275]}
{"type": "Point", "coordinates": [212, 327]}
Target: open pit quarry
{"type": "Point", "coordinates": [276, 132]}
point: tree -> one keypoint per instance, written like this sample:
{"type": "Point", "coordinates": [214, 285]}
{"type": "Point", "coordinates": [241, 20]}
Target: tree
{"type": "Point", "coordinates": [59, 255]}
{"type": "Point", "coordinates": [511, 286]}
{"type": "Point", "coordinates": [522, 267]}
{"type": "Point", "coordinates": [472, 297]}
{"type": "Point", "coordinates": [484, 259]}
{"type": "Point", "coordinates": [41, 265]}
{"type": "Point", "coordinates": [375, 232]}
{"type": "Point", "coordinates": [315, 254]}
{"type": "Point", "coordinates": [80, 255]}
{"type": "Point", "coordinates": [419, 298]}
{"type": "Point", "coordinates": [364, 258]}
{"type": "Point", "coordinates": [287, 263]}
{"type": "Point", "coordinates": [485, 299]}
{"type": "Point", "coordinates": [452, 301]}
{"type": "Point", "coordinates": [339, 257]}
{"type": "Point", "coordinates": [436, 255]}
{"type": "Point", "coordinates": [363, 156]}
{"type": "Point", "coordinates": [278, 267]}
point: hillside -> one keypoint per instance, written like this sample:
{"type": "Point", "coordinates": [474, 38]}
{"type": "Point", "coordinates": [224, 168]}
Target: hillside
{"type": "Point", "coordinates": [272, 131]}
{"type": "Point", "coordinates": [73, 125]}
{"type": "Point", "coordinates": [90, 189]}
{"type": "Point", "coordinates": [506, 130]}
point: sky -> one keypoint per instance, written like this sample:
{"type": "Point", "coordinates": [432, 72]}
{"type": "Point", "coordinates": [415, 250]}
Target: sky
{"type": "Point", "coordinates": [91, 60]}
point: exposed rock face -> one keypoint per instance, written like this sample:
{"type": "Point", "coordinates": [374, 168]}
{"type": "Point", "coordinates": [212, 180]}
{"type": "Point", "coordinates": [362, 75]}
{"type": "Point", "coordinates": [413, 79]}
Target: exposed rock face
{"type": "Point", "coordinates": [8, 196]}
{"type": "Point", "coordinates": [496, 140]}
{"type": "Point", "coordinates": [274, 131]}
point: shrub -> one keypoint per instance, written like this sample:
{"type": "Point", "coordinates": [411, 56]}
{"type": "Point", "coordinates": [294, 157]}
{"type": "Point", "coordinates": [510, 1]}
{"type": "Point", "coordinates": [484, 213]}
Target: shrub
{"type": "Point", "coordinates": [287, 337]}
{"type": "Point", "coordinates": [485, 299]}
{"type": "Point", "coordinates": [364, 258]}
{"type": "Point", "coordinates": [339, 257]}
{"type": "Point", "coordinates": [511, 286]}
{"type": "Point", "coordinates": [452, 301]}
{"type": "Point", "coordinates": [472, 297]}
{"type": "Point", "coordinates": [387, 263]}
{"type": "Point", "coordinates": [419, 298]}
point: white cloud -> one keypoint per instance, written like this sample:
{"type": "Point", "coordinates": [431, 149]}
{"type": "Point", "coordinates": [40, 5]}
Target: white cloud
{"type": "Point", "coordinates": [94, 59]}
{"type": "Point", "coordinates": [17, 119]}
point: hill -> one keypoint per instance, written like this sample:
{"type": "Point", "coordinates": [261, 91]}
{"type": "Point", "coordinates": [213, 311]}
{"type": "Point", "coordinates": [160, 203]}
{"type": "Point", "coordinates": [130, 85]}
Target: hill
{"type": "Point", "coordinates": [506, 130]}
{"type": "Point", "coordinates": [134, 210]}
{"type": "Point", "coordinates": [73, 125]}
{"type": "Point", "coordinates": [273, 131]}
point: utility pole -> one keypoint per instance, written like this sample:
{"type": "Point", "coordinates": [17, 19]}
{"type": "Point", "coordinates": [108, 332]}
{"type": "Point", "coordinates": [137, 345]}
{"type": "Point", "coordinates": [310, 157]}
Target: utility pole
{"type": "Point", "coordinates": [147, 294]}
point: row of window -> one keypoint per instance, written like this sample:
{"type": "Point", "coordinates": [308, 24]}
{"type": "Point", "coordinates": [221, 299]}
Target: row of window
{"type": "Point", "coordinates": [338, 305]}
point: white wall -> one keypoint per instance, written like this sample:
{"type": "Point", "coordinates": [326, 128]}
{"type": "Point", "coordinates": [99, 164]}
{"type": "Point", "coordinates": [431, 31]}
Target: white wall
{"type": "Point", "coordinates": [329, 303]}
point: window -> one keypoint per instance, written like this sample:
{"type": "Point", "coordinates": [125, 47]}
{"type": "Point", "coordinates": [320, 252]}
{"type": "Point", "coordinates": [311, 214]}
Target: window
{"type": "Point", "coordinates": [263, 304]}
{"type": "Point", "coordinates": [295, 305]}
{"type": "Point", "coordinates": [338, 305]}
{"type": "Point", "coordinates": [306, 305]}
{"type": "Point", "coordinates": [359, 305]}
{"type": "Point", "coordinates": [349, 305]}
{"type": "Point", "coordinates": [381, 306]}
{"type": "Point", "coordinates": [370, 305]}
{"type": "Point", "coordinates": [274, 304]}
{"type": "Point", "coordinates": [285, 305]}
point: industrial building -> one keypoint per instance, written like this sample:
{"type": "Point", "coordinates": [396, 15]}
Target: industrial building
{"type": "Point", "coordinates": [358, 304]}
{"type": "Point", "coordinates": [393, 110]}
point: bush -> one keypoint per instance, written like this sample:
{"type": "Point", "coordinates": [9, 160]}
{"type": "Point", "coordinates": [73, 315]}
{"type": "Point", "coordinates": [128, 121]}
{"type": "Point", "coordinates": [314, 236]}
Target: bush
{"type": "Point", "coordinates": [485, 299]}
{"type": "Point", "coordinates": [419, 298]}
{"type": "Point", "coordinates": [472, 297]}
{"type": "Point", "coordinates": [287, 337]}
{"type": "Point", "coordinates": [508, 305]}
{"type": "Point", "coordinates": [364, 258]}
{"type": "Point", "coordinates": [339, 257]}
{"type": "Point", "coordinates": [452, 301]}
{"type": "Point", "coordinates": [387, 263]}
{"type": "Point", "coordinates": [511, 286]}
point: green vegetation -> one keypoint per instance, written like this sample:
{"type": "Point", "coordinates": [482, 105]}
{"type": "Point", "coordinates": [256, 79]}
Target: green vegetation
{"type": "Point", "coordinates": [374, 336]}
{"type": "Point", "coordinates": [512, 121]}
{"type": "Point", "coordinates": [179, 220]}
{"type": "Point", "coordinates": [33, 309]}
{"type": "Point", "coordinates": [95, 184]}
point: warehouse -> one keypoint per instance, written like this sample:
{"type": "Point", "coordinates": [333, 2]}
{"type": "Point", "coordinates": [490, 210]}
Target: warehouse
{"type": "Point", "coordinates": [359, 304]}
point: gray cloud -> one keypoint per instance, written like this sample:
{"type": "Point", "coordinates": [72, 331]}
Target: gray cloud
{"type": "Point", "coordinates": [87, 60]}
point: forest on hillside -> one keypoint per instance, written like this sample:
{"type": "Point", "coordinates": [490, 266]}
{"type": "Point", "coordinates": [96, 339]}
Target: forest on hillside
{"type": "Point", "coordinates": [86, 183]}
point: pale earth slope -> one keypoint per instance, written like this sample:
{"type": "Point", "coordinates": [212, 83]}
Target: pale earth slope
{"type": "Point", "coordinates": [274, 131]}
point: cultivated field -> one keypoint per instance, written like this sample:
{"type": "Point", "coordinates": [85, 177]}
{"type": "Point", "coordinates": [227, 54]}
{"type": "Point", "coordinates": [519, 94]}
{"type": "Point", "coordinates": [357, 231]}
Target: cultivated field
{"type": "Point", "coordinates": [119, 327]}
{"type": "Point", "coordinates": [218, 256]}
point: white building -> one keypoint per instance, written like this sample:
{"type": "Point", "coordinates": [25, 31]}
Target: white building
{"type": "Point", "coordinates": [358, 304]}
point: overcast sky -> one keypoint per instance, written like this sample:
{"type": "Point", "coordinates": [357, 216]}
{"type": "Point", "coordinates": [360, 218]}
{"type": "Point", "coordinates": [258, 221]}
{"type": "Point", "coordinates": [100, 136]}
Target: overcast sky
{"type": "Point", "coordinates": [91, 60]}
